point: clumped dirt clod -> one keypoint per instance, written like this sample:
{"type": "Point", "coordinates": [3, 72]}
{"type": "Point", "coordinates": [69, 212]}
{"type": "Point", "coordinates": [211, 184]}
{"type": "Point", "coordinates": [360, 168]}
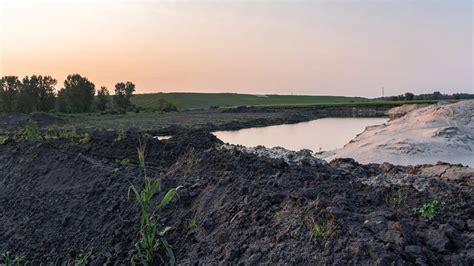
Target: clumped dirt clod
{"type": "Point", "coordinates": [59, 200]}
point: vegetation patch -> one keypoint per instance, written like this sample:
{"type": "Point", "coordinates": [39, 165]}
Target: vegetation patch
{"type": "Point", "coordinates": [428, 210]}
{"type": "Point", "coordinates": [322, 230]}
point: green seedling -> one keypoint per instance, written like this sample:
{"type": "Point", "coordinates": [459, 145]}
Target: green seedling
{"type": "Point", "coordinates": [192, 223]}
{"type": "Point", "coordinates": [428, 210]}
{"type": "Point", "coordinates": [152, 242]}
{"type": "Point", "coordinates": [399, 200]}
{"type": "Point", "coordinates": [120, 134]}
{"type": "Point", "coordinates": [322, 231]}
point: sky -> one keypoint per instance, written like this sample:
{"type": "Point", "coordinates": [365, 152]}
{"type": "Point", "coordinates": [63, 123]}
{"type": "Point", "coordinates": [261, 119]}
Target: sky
{"type": "Point", "coordinates": [336, 47]}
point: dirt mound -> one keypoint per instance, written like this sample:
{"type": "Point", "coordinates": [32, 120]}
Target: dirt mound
{"type": "Point", "coordinates": [59, 200]}
{"type": "Point", "coordinates": [400, 111]}
{"type": "Point", "coordinates": [12, 121]}
{"type": "Point", "coordinates": [440, 132]}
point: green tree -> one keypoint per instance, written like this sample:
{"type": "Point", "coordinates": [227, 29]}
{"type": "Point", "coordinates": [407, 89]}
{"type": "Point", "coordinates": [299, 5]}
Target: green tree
{"type": "Point", "coordinates": [409, 96]}
{"type": "Point", "coordinates": [61, 102]}
{"type": "Point", "coordinates": [123, 93]}
{"type": "Point", "coordinates": [37, 94]}
{"type": "Point", "coordinates": [77, 95]}
{"type": "Point", "coordinates": [9, 90]}
{"type": "Point", "coordinates": [437, 95]}
{"type": "Point", "coordinates": [102, 98]}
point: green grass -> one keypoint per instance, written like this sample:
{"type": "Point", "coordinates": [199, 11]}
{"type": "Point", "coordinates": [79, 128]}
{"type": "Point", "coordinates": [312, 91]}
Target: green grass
{"type": "Point", "coordinates": [186, 101]}
{"type": "Point", "coordinates": [322, 230]}
{"type": "Point", "coordinates": [398, 200]}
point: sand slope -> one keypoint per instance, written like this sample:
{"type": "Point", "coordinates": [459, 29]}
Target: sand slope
{"type": "Point", "coordinates": [442, 132]}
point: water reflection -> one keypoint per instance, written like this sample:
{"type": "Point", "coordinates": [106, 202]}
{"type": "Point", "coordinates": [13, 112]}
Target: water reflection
{"type": "Point", "coordinates": [321, 134]}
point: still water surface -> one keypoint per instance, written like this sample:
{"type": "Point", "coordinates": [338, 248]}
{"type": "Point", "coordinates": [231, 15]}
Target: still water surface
{"type": "Point", "coordinates": [321, 134]}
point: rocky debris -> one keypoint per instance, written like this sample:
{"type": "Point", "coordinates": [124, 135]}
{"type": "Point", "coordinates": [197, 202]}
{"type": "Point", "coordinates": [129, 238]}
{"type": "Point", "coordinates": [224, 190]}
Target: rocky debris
{"type": "Point", "coordinates": [449, 172]}
{"type": "Point", "coordinates": [302, 157]}
{"type": "Point", "coordinates": [59, 200]}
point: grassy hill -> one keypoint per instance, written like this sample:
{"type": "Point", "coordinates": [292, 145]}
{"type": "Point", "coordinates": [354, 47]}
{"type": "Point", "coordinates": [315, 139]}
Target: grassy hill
{"type": "Point", "coordinates": [185, 101]}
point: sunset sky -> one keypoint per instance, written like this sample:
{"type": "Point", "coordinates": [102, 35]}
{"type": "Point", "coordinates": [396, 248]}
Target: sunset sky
{"type": "Point", "coordinates": [313, 47]}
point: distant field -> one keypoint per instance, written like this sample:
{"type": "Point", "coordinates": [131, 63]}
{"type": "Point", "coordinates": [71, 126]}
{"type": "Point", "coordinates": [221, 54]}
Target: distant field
{"type": "Point", "coordinates": [362, 103]}
{"type": "Point", "coordinates": [186, 101]}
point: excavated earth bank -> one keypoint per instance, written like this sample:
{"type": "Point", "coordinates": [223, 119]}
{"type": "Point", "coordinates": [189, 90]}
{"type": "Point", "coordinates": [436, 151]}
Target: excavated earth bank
{"type": "Point", "coordinates": [59, 200]}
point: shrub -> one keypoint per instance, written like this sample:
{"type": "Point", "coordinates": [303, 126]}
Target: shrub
{"type": "Point", "coordinates": [152, 240]}
{"type": "Point", "coordinates": [166, 106]}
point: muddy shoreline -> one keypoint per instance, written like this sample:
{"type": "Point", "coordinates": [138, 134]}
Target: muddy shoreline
{"type": "Point", "coordinates": [60, 199]}
{"type": "Point", "coordinates": [212, 120]}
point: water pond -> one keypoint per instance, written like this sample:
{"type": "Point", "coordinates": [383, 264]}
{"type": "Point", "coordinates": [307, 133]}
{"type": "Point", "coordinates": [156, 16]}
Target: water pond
{"type": "Point", "coordinates": [317, 135]}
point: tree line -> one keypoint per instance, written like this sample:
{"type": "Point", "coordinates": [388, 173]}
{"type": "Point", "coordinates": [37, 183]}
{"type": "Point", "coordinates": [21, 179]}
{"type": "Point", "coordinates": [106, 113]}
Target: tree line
{"type": "Point", "coordinates": [78, 95]}
{"type": "Point", "coordinates": [408, 96]}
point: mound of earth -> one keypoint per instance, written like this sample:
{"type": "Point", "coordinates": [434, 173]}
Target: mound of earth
{"type": "Point", "coordinates": [403, 110]}
{"type": "Point", "coordinates": [442, 132]}
{"type": "Point", "coordinates": [11, 121]}
{"type": "Point", "coordinates": [59, 200]}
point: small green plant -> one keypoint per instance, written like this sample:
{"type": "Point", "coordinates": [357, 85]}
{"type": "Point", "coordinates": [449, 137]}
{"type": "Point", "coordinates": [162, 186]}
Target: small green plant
{"type": "Point", "coordinates": [8, 259]}
{"type": "Point", "coordinates": [428, 210]}
{"type": "Point", "coordinates": [399, 200]}
{"type": "Point", "coordinates": [3, 139]}
{"type": "Point", "coordinates": [322, 231]}
{"type": "Point", "coordinates": [123, 161]}
{"type": "Point", "coordinates": [152, 242]}
{"type": "Point", "coordinates": [120, 134]}
{"type": "Point", "coordinates": [84, 138]}
{"type": "Point", "coordinates": [192, 223]}
{"type": "Point", "coordinates": [83, 258]}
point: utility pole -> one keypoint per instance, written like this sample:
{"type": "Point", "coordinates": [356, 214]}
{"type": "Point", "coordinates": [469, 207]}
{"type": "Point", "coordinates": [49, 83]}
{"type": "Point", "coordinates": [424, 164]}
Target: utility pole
{"type": "Point", "coordinates": [383, 93]}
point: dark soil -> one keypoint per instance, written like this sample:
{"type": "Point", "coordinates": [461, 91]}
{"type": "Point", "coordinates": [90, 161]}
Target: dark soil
{"type": "Point", "coordinates": [213, 120]}
{"type": "Point", "coordinates": [12, 121]}
{"type": "Point", "coordinates": [59, 200]}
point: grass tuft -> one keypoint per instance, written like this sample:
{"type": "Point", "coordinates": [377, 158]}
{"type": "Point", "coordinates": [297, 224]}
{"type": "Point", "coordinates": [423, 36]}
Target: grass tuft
{"type": "Point", "coordinates": [399, 200]}
{"type": "Point", "coordinates": [8, 259]}
{"type": "Point", "coordinates": [322, 230]}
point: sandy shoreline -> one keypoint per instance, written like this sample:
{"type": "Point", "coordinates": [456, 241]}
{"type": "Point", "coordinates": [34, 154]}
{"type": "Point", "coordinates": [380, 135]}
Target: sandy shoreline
{"type": "Point", "coordinates": [442, 132]}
